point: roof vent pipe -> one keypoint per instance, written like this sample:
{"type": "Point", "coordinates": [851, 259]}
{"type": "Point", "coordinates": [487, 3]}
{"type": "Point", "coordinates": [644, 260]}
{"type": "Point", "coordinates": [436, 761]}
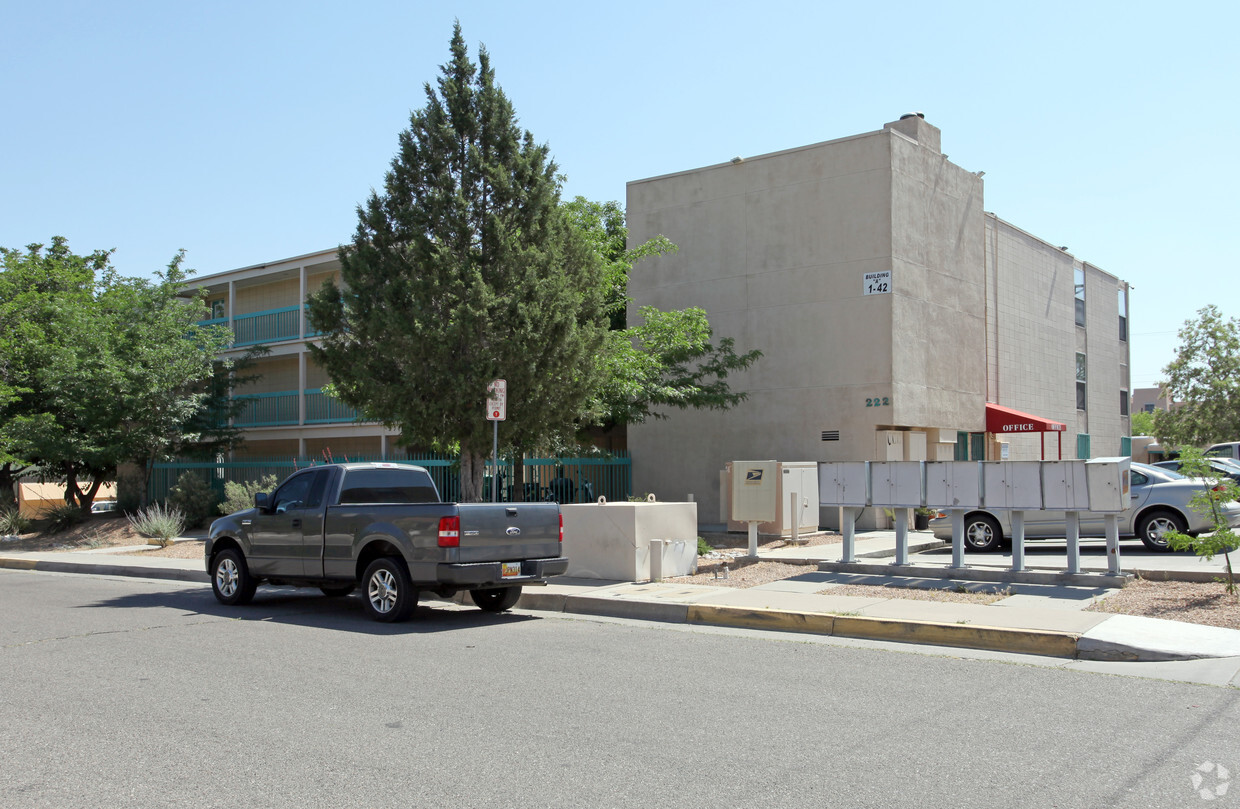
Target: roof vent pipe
{"type": "Point", "coordinates": [920, 115]}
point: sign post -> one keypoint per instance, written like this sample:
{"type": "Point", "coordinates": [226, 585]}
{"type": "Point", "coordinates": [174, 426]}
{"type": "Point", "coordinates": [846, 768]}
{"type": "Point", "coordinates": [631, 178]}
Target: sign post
{"type": "Point", "coordinates": [497, 411]}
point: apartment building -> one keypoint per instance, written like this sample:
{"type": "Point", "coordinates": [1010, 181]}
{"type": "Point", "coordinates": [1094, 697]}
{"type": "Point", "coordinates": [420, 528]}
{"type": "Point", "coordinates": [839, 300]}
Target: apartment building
{"type": "Point", "coordinates": [898, 319]}
{"type": "Point", "coordinates": [288, 414]}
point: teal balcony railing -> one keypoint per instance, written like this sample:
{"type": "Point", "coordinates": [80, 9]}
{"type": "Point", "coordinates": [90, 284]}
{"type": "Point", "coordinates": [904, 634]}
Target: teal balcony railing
{"type": "Point", "coordinates": [323, 409]}
{"type": "Point", "coordinates": [268, 409]}
{"type": "Point", "coordinates": [215, 321]}
{"type": "Point", "coordinates": [267, 327]}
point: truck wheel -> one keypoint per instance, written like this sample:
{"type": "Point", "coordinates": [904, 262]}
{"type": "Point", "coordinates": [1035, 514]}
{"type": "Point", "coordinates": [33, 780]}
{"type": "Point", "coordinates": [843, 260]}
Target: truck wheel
{"type": "Point", "coordinates": [1155, 524]}
{"type": "Point", "coordinates": [338, 591]}
{"type": "Point", "coordinates": [230, 578]}
{"type": "Point", "coordinates": [390, 595]}
{"type": "Point", "coordinates": [496, 599]}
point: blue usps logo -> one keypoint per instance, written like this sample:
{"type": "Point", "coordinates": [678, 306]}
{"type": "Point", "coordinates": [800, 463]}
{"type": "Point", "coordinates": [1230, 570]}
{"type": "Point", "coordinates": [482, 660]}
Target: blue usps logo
{"type": "Point", "coordinates": [753, 476]}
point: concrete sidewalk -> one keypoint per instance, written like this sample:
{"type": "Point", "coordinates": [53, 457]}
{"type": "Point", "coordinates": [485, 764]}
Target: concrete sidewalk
{"type": "Point", "coordinates": [1035, 619]}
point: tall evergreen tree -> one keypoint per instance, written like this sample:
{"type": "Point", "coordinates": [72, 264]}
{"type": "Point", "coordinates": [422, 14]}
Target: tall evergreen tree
{"type": "Point", "coordinates": [1205, 378]}
{"type": "Point", "coordinates": [465, 269]}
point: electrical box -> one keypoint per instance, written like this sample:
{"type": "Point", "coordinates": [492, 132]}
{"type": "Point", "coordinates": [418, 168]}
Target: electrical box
{"type": "Point", "coordinates": [897, 484]}
{"type": "Point", "coordinates": [1064, 487]}
{"type": "Point", "coordinates": [844, 484]}
{"type": "Point", "coordinates": [1110, 484]}
{"type": "Point", "coordinates": [1012, 485]}
{"type": "Point", "coordinates": [953, 484]}
{"type": "Point", "coordinates": [755, 487]}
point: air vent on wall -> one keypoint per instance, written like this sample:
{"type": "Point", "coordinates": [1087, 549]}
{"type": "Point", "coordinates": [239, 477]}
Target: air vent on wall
{"type": "Point", "coordinates": [830, 435]}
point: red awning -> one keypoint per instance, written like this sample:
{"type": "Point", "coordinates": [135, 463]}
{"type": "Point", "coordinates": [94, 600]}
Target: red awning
{"type": "Point", "coordinates": [1000, 419]}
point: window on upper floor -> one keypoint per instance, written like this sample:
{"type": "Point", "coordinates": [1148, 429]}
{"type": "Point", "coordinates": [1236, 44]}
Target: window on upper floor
{"type": "Point", "coordinates": [1078, 277]}
{"type": "Point", "coordinates": [1123, 403]}
{"type": "Point", "coordinates": [1080, 382]}
{"type": "Point", "coordinates": [1123, 315]}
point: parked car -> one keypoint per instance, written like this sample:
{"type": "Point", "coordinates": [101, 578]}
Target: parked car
{"type": "Point", "coordinates": [1160, 499]}
{"type": "Point", "coordinates": [382, 526]}
{"type": "Point", "coordinates": [1230, 449]}
{"type": "Point", "coordinates": [102, 506]}
{"type": "Point", "coordinates": [1223, 466]}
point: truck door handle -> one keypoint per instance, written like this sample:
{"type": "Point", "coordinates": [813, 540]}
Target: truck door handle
{"type": "Point", "coordinates": [297, 522]}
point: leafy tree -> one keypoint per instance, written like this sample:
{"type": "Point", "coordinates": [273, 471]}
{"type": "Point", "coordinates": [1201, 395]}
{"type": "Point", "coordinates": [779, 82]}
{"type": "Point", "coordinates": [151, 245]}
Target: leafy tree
{"type": "Point", "coordinates": [1142, 423]}
{"type": "Point", "coordinates": [465, 269]}
{"type": "Point", "coordinates": [112, 368]}
{"type": "Point", "coordinates": [1205, 377]}
{"type": "Point", "coordinates": [668, 359]}
{"type": "Point", "coordinates": [1216, 490]}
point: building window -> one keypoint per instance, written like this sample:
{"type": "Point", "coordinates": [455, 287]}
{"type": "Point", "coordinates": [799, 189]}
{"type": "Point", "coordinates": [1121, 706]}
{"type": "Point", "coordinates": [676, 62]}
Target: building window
{"type": "Point", "coordinates": [1149, 407]}
{"type": "Point", "coordinates": [1123, 403]}
{"type": "Point", "coordinates": [218, 309]}
{"type": "Point", "coordinates": [1080, 382]}
{"type": "Point", "coordinates": [1123, 315]}
{"type": "Point", "coordinates": [1082, 445]}
{"type": "Point", "coordinates": [1078, 275]}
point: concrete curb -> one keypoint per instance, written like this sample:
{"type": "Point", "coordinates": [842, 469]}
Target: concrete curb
{"type": "Point", "coordinates": [131, 571]}
{"type": "Point", "coordinates": [979, 574]}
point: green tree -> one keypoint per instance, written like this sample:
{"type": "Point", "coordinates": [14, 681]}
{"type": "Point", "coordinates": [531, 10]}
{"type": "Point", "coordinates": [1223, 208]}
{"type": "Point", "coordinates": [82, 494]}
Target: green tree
{"type": "Point", "coordinates": [114, 370]}
{"type": "Point", "coordinates": [1205, 378]}
{"type": "Point", "coordinates": [1216, 490]}
{"type": "Point", "coordinates": [1142, 423]}
{"type": "Point", "coordinates": [666, 360]}
{"type": "Point", "coordinates": [465, 269]}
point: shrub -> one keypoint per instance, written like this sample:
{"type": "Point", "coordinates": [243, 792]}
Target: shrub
{"type": "Point", "coordinates": [129, 493]}
{"type": "Point", "coordinates": [63, 517]}
{"type": "Point", "coordinates": [704, 548]}
{"type": "Point", "coordinates": [240, 496]}
{"type": "Point", "coordinates": [13, 523]}
{"type": "Point", "coordinates": [164, 523]}
{"type": "Point", "coordinates": [193, 498]}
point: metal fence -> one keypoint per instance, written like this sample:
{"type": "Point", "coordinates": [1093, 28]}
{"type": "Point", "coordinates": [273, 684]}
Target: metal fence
{"type": "Point", "coordinates": [564, 480]}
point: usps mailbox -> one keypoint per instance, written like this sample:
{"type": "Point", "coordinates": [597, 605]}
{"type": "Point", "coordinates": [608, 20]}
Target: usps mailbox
{"type": "Point", "coordinates": [1110, 484]}
{"type": "Point", "coordinates": [1064, 487]}
{"type": "Point", "coordinates": [896, 484]}
{"type": "Point", "coordinates": [754, 491]}
{"type": "Point", "coordinates": [844, 484]}
{"type": "Point", "coordinates": [1012, 485]}
{"type": "Point", "coordinates": [953, 484]}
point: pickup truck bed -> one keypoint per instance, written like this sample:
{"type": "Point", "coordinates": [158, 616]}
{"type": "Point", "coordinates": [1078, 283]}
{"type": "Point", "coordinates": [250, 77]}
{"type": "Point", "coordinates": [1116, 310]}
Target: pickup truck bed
{"type": "Point", "coordinates": [383, 526]}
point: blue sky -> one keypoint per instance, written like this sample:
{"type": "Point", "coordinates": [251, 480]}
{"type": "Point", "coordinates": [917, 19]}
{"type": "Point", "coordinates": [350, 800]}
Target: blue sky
{"type": "Point", "coordinates": [248, 132]}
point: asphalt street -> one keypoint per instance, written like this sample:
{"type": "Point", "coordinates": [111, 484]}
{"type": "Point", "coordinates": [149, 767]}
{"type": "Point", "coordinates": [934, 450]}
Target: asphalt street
{"type": "Point", "coordinates": [131, 692]}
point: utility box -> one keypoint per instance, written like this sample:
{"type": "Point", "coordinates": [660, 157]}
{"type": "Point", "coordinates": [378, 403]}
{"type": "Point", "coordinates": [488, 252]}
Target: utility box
{"type": "Point", "coordinates": [1110, 484]}
{"type": "Point", "coordinates": [1064, 487]}
{"type": "Point", "coordinates": [953, 484]}
{"type": "Point", "coordinates": [800, 477]}
{"type": "Point", "coordinates": [755, 486]}
{"type": "Point", "coordinates": [844, 484]}
{"type": "Point", "coordinates": [897, 484]}
{"type": "Point", "coordinates": [1012, 485]}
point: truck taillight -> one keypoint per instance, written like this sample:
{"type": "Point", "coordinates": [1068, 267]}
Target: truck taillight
{"type": "Point", "coordinates": [449, 532]}
{"type": "Point", "coordinates": [561, 529]}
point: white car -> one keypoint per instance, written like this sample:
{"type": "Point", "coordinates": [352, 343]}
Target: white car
{"type": "Point", "coordinates": [1160, 499]}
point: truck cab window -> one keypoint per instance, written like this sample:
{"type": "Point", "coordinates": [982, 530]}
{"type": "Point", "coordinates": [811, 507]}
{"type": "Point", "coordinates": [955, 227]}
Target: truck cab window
{"type": "Point", "coordinates": [292, 494]}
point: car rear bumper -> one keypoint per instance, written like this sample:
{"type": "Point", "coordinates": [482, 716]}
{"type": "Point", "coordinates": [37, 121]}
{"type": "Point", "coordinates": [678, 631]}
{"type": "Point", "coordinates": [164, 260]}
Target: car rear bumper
{"type": "Point", "coordinates": [480, 574]}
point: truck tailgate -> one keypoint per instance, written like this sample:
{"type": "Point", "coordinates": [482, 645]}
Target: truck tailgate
{"type": "Point", "coordinates": [509, 531]}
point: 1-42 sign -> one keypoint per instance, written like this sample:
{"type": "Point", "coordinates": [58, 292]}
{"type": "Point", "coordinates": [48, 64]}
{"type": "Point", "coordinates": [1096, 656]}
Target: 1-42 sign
{"type": "Point", "coordinates": [878, 283]}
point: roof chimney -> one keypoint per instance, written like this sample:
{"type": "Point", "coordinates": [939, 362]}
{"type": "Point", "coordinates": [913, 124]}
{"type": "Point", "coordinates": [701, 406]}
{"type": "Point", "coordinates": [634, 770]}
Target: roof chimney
{"type": "Point", "coordinates": [914, 125]}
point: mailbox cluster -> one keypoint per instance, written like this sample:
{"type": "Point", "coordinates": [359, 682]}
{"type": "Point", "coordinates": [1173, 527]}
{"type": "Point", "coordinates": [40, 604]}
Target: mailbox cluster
{"type": "Point", "coordinates": [1100, 485]}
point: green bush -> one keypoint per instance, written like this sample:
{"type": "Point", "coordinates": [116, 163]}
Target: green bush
{"type": "Point", "coordinates": [63, 517]}
{"type": "Point", "coordinates": [129, 494]}
{"type": "Point", "coordinates": [13, 523]}
{"type": "Point", "coordinates": [193, 498]}
{"type": "Point", "coordinates": [704, 548]}
{"type": "Point", "coordinates": [240, 496]}
{"type": "Point", "coordinates": [158, 522]}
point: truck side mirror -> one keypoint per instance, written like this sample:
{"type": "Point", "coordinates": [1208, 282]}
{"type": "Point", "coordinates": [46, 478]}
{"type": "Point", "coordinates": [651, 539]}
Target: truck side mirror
{"type": "Point", "coordinates": [262, 502]}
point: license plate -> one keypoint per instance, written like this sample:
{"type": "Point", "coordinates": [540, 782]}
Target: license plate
{"type": "Point", "coordinates": [509, 569]}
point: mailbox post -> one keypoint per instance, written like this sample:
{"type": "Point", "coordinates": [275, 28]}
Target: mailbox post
{"type": "Point", "coordinates": [898, 485]}
{"type": "Point", "coordinates": [1015, 486]}
{"type": "Point", "coordinates": [955, 486]}
{"type": "Point", "coordinates": [1064, 489]}
{"type": "Point", "coordinates": [1109, 481]}
{"type": "Point", "coordinates": [754, 488]}
{"type": "Point", "coordinates": [846, 485]}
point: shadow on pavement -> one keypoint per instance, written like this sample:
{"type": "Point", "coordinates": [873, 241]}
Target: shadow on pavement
{"type": "Point", "coordinates": [308, 608]}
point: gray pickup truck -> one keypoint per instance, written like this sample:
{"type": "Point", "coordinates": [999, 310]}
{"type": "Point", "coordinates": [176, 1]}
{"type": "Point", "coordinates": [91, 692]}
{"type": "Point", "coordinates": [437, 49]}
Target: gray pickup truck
{"type": "Point", "coordinates": [383, 525]}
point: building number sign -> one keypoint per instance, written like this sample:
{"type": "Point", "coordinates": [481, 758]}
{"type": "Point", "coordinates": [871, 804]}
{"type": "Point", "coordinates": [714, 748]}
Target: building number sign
{"type": "Point", "coordinates": [877, 283]}
{"type": "Point", "coordinates": [877, 401]}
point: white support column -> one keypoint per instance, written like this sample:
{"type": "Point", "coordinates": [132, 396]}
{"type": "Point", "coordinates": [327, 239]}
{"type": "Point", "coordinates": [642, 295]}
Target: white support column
{"type": "Point", "coordinates": [901, 536]}
{"type": "Point", "coordinates": [231, 305]}
{"type": "Point", "coordinates": [656, 559]}
{"type": "Point", "coordinates": [1018, 541]}
{"type": "Point", "coordinates": [301, 386]}
{"type": "Point", "coordinates": [795, 537]}
{"type": "Point", "coordinates": [383, 446]}
{"type": "Point", "coordinates": [301, 296]}
{"type": "Point", "coordinates": [957, 538]}
{"type": "Point", "coordinates": [1112, 523]}
{"type": "Point", "coordinates": [1072, 527]}
{"type": "Point", "coordinates": [848, 528]}
{"type": "Point", "coordinates": [753, 540]}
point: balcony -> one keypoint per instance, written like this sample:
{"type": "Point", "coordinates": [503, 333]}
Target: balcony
{"type": "Point", "coordinates": [270, 326]}
{"type": "Point", "coordinates": [268, 410]}
{"type": "Point", "coordinates": [323, 409]}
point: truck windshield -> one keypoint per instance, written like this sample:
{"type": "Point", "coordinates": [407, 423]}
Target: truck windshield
{"type": "Point", "coordinates": [388, 486]}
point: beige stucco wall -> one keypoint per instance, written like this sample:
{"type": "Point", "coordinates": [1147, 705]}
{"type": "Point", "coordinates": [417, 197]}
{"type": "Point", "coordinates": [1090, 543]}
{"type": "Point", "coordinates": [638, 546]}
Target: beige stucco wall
{"type": "Point", "coordinates": [775, 249]}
